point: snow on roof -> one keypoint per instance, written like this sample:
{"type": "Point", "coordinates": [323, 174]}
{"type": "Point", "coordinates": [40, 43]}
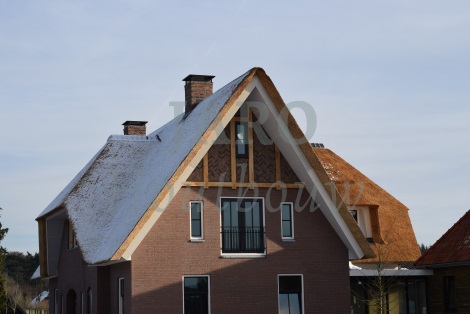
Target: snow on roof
{"type": "Point", "coordinates": [38, 299]}
{"type": "Point", "coordinates": [37, 273]}
{"type": "Point", "coordinates": [352, 266]}
{"type": "Point", "coordinates": [109, 196]}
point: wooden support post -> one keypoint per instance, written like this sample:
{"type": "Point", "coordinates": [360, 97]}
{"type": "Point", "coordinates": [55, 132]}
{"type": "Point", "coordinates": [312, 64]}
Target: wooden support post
{"type": "Point", "coordinates": [278, 164]}
{"type": "Point", "coordinates": [251, 170]}
{"type": "Point", "coordinates": [233, 159]}
{"type": "Point", "coordinates": [206, 169]}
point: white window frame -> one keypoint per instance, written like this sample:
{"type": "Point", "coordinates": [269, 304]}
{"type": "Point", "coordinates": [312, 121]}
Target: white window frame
{"type": "Point", "coordinates": [363, 219]}
{"type": "Point", "coordinates": [201, 238]}
{"type": "Point", "coordinates": [208, 289]}
{"type": "Point", "coordinates": [303, 290]}
{"type": "Point", "coordinates": [291, 221]}
{"type": "Point", "coordinates": [244, 255]}
{"type": "Point", "coordinates": [121, 295]}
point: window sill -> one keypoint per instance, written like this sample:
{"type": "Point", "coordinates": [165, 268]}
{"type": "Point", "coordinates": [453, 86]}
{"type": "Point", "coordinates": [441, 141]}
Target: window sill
{"type": "Point", "coordinates": [196, 240]}
{"type": "Point", "coordinates": [243, 255]}
{"type": "Point", "coordinates": [288, 240]}
{"type": "Point", "coordinates": [72, 248]}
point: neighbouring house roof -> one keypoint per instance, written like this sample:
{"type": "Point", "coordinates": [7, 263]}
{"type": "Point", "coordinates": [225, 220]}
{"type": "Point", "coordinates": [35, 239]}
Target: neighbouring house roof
{"type": "Point", "coordinates": [394, 238]}
{"type": "Point", "coordinates": [39, 298]}
{"type": "Point", "coordinates": [37, 273]}
{"type": "Point", "coordinates": [453, 248]}
{"type": "Point", "coordinates": [127, 184]}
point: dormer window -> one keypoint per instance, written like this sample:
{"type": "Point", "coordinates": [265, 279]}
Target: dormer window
{"type": "Point", "coordinates": [241, 139]}
{"type": "Point", "coordinates": [362, 216]}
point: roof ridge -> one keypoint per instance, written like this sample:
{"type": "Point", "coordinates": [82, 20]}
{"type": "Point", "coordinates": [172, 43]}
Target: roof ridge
{"type": "Point", "coordinates": [136, 138]}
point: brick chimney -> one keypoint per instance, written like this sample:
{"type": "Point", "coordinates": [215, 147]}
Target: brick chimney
{"type": "Point", "coordinates": [196, 89]}
{"type": "Point", "coordinates": [135, 128]}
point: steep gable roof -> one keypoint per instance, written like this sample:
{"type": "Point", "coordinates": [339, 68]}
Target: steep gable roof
{"type": "Point", "coordinates": [120, 194]}
{"type": "Point", "coordinates": [453, 248]}
{"type": "Point", "coordinates": [395, 240]}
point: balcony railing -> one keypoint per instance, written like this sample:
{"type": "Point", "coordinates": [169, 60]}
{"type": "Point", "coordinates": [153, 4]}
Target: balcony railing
{"type": "Point", "coordinates": [243, 240]}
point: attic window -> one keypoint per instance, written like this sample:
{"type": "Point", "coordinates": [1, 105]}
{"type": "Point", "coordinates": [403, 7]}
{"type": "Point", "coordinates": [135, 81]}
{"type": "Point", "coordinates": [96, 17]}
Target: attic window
{"type": "Point", "coordinates": [241, 139]}
{"type": "Point", "coordinates": [362, 216]}
{"type": "Point", "coordinates": [72, 239]}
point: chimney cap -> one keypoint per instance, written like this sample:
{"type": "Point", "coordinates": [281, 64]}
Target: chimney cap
{"type": "Point", "coordinates": [198, 77]}
{"type": "Point", "coordinates": [139, 123]}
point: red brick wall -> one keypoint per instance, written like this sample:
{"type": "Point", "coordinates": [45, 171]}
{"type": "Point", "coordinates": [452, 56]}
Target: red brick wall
{"type": "Point", "coordinates": [239, 285]}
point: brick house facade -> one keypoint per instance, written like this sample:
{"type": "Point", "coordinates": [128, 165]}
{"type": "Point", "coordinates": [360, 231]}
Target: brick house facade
{"type": "Point", "coordinates": [223, 210]}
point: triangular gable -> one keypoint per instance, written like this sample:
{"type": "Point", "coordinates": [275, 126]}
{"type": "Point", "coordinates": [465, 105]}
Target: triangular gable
{"type": "Point", "coordinates": [111, 232]}
{"type": "Point", "coordinates": [257, 79]}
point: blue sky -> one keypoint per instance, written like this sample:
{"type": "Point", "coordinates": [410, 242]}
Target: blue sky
{"type": "Point", "coordinates": [389, 82]}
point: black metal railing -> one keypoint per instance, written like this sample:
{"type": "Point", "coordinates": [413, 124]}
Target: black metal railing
{"type": "Point", "coordinates": [243, 240]}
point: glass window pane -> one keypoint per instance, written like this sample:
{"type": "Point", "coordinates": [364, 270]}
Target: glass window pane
{"type": "Point", "coordinates": [195, 210]}
{"type": "Point", "coordinates": [196, 228]}
{"type": "Point", "coordinates": [241, 139]}
{"type": "Point", "coordinates": [286, 212]}
{"type": "Point", "coordinates": [256, 214]}
{"type": "Point", "coordinates": [289, 284]}
{"type": "Point", "coordinates": [286, 229]}
{"type": "Point", "coordinates": [283, 304]}
{"type": "Point", "coordinates": [290, 294]}
{"type": "Point", "coordinates": [248, 215]}
{"type": "Point", "coordinates": [196, 291]}
{"type": "Point", "coordinates": [294, 303]}
{"type": "Point", "coordinates": [234, 214]}
{"type": "Point", "coordinates": [354, 214]}
{"type": "Point", "coordinates": [226, 214]}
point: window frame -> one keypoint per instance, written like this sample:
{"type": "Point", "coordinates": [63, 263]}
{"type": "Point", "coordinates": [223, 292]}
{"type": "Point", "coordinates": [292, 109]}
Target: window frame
{"type": "Point", "coordinates": [72, 239]}
{"type": "Point", "coordinates": [121, 295]}
{"type": "Point", "coordinates": [449, 292]}
{"type": "Point", "coordinates": [208, 290]}
{"type": "Point", "coordinates": [243, 255]}
{"type": "Point", "coordinates": [292, 237]}
{"type": "Point", "coordinates": [244, 140]}
{"type": "Point", "coordinates": [201, 237]}
{"type": "Point", "coordinates": [363, 220]}
{"type": "Point", "coordinates": [302, 303]}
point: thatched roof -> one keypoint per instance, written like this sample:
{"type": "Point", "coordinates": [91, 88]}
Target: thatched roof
{"type": "Point", "coordinates": [393, 236]}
